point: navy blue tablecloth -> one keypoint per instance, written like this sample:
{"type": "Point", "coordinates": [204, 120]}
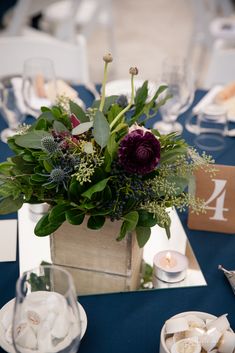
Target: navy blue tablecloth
{"type": "Point", "coordinates": [131, 322]}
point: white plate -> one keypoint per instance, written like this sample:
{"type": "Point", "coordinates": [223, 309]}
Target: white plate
{"type": "Point", "coordinates": [209, 99]}
{"type": "Point", "coordinates": [119, 87]}
{"type": "Point", "coordinates": [8, 307]}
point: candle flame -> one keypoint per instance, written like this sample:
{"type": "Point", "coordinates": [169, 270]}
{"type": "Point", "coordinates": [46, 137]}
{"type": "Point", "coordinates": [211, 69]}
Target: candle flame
{"type": "Point", "coordinates": [168, 257]}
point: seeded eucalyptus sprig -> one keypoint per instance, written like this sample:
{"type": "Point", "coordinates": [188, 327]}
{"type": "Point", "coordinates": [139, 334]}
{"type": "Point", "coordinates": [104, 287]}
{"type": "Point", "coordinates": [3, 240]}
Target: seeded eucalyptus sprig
{"type": "Point", "coordinates": [102, 163]}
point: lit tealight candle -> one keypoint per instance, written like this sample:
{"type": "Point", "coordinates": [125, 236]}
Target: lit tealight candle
{"type": "Point", "coordinates": [170, 266]}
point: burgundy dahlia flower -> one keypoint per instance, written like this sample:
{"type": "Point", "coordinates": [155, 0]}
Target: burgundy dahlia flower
{"type": "Point", "coordinates": [139, 152]}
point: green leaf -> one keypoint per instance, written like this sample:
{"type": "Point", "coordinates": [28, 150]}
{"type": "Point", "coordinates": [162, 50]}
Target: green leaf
{"type": "Point", "coordinates": [84, 127]}
{"type": "Point", "coordinates": [9, 205]}
{"type": "Point", "coordinates": [28, 158]}
{"type": "Point", "coordinates": [59, 127]}
{"type": "Point", "coordinates": [129, 224]}
{"type": "Point", "coordinates": [76, 110]}
{"type": "Point", "coordinates": [112, 146]}
{"type": "Point", "coordinates": [44, 227]}
{"type": "Point", "coordinates": [141, 96]}
{"type": "Point", "coordinates": [47, 165]}
{"type": "Point", "coordinates": [168, 231]}
{"type": "Point", "coordinates": [31, 139]}
{"type": "Point", "coordinates": [101, 129]}
{"type": "Point", "coordinates": [47, 115]}
{"type": "Point", "coordinates": [95, 222]}
{"type": "Point", "coordinates": [75, 216]}
{"type": "Point", "coordinates": [5, 168]}
{"type": "Point", "coordinates": [143, 235]}
{"type": "Point", "coordinates": [39, 178]}
{"type": "Point", "coordinates": [41, 124]}
{"type": "Point", "coordinates": [95, 188]}
{"type": "Point", "coordinates": [57, 213]}
{"type": "Point", "coordinates": [109, 101]}
{"type": "Point", "coordinates": [146, 219]}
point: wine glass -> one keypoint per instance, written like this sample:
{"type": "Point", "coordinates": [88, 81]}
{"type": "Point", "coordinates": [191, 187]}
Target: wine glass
{"type": "Point", "coordinates": [176, 74]}
{"type": "Point", "coordinates": [46, 316]}
{"type": "Point", "coordinates": [10, 111]}
{"type": "Point", "coordinates": [39, 84]}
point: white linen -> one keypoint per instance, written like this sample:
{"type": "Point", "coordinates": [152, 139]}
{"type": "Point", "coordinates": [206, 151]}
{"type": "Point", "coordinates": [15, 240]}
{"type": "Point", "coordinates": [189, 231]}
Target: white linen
{"type": "Point", "coordinates": [8, 236]}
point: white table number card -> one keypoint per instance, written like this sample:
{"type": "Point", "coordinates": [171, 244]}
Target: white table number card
{"type": "Point", "coordinates": [218, 191]}
{"type": "Point", "coordinates": [8, 239]}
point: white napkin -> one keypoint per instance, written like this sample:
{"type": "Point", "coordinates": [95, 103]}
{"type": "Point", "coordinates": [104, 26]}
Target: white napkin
{"type": "Point", "coordinates": [62, 89]}
{"type": "Point", "coordinates": [209, 99]}
{"type": "Point", "coordinates": [8, 236]}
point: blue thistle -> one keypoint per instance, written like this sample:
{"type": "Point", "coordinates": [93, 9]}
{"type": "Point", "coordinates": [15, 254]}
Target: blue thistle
{"type": "Point", "coordinates": [49, 145]}
{"type": "Point", "coordinates": [122, 101]}
{"type": "Point", "coordinates": [57, 175]}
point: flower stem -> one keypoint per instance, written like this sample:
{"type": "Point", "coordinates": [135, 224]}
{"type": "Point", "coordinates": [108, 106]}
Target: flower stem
{"type": "Point", "coordinates": [101, 107]}
{"type": "Point", "coordinates": [113, 123]}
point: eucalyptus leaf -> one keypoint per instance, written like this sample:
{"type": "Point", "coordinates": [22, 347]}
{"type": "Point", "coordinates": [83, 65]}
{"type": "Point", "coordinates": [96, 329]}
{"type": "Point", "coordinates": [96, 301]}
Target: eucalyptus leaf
{"type": "Point", "coordinates": [47, 115]}
{"type": "Point", "coordinates": [112, 146]}
{"type": "Point", "coordinates": [78, 112]}
{"type": "Point", "coordinates": [109, 101]}
{"type": "Point", "coordinates": [59, 127]}
{"type": "Point", "coordinates": [32, 139]}
{"type": "Point", "coordinates": [101, 129]}
{"type": "Point", "coordinates": [84, 127]}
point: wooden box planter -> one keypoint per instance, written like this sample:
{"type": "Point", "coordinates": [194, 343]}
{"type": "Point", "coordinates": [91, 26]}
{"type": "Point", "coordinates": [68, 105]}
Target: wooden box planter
{"type": "Point", "coordinates": [97, 262]}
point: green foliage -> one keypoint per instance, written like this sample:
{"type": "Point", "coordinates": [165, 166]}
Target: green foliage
{"type": "Point", "coordinates": [78, 172]}
{"type": "Point", "coordinates": [76, 110]}
{"type": "Point", "coordinates": [101, 129]}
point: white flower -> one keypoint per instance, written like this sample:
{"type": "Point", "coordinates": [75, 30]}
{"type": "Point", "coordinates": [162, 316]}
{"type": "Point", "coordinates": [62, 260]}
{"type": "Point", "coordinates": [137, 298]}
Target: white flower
{"type": "Point", "coordinates": [88, 148]}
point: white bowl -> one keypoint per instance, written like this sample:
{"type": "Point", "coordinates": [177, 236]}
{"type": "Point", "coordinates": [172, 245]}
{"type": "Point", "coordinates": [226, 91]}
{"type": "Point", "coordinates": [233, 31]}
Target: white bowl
{"type": "Point", "coordinates": [163, 348]}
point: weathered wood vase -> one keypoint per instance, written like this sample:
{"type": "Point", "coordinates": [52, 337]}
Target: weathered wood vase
{"type": "Point", "coordinates": [97, 262]}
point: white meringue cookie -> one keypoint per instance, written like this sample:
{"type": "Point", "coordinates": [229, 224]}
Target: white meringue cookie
{"type": "Point", "coordinates": [25, 336]}
{"type": "Point", "coordinates": [221, 323]}
{"type": "Point", "coordinates": [55, 302]}
{"type": "Point", "coordinates": [195, 321]}
{"type": "Point", "coordinates": [169, 342]}
{"type": "Point", "coordinates": [186, 345]}
{"type": "Point", "coordinates": [50, 319]}
{"type": "Point", "coordinates": [61, 326]}
{"type": "Point", "coordinates": [194, 332]}
{"type": "Point", "coordinates": [44, 338]}
{"type": "Point", "coordinates": [176, 325]}
{"type": "Point", "coordinates": [210, 339]}
{"type": "Point", "coordinates": [227, 342]}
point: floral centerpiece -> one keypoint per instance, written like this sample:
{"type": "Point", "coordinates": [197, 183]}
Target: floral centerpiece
{"type": "Point", "coordinates": [102, 162]}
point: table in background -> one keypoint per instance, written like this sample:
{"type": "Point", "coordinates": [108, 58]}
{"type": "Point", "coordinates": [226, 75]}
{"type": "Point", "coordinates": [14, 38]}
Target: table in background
{"type": "Point", "coordinates": [131, 322]}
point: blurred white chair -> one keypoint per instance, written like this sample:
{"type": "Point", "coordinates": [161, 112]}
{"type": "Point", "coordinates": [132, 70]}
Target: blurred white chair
{"type": "Point", "coordinates": [63, 18]}
{"type": "Point", "coordinates": [70, 60]}
{"type": "Point", "coordinates": [25, 9]}
{"type": "Point", "coordinates": [89, 14]}
{"type": "Point", "coordinates": [221, 66]}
